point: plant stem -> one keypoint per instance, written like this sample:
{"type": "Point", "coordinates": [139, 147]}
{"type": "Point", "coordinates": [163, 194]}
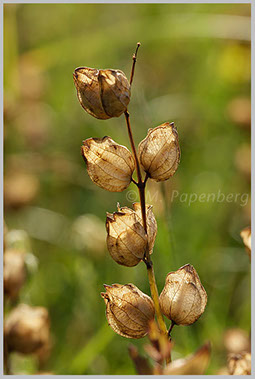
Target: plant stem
{"type": "Point", "coordinates": [134, 62]}
{"type": "Point", "coordinates": [170, 329]}
{"type": "Point", "coordinates": [147, 259]}
{"type": "Point", "coordinates": [140, 184]}
{"type": "Point", "coordinates": [155, 297]}
{"type": "Point", "coordinates": [141, 188]}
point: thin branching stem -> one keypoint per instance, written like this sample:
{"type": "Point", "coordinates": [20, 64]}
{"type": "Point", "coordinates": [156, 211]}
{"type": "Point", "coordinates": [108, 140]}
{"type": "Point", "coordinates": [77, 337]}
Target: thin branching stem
{"type": "Point", "coordinates": [139, 183]}
{"type": "Point", "coordinates": [134, 62]}
{"type": "Point", "coordinates": [141, 188]}
{"type": "Point", "coordinates": [170, 329]}
{"type": "Point", "coordinates": [147, 259]}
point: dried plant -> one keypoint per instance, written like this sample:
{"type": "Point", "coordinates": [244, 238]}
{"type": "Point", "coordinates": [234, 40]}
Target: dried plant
{"type": "Point", "coordinates": [131, 233]}
{"type": "Point", "coordinates": [26, 328]}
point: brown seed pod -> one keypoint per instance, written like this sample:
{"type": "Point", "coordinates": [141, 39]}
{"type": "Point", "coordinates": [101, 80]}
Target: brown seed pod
{"type": "Point", "coordinates": [236, 340]}
{"type": "Point", "coordinates": [239, 364]}
{"type": "Point", "coordinates": [159, 152]}
{"type": "Point", "coordinates": [194, 364]}
{"type": "Point", "coordinates": [128, 310]}
{"type": "Point", "coordinates": [126, 238]}
{"type": "Point", "coordinates": [102, 93]}
{"type": "Point", "coordinates": [26, 329]}
{"type": "Point", "coordinates": [109, 164]}
{"type": "Point", "coordinates": [183, 299]}
{"type": "Point", "coordinates": [14, 272]}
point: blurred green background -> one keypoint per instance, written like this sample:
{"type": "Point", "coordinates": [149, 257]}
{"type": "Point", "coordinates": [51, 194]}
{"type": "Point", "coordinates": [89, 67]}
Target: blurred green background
{"type": "Point", "coordinates": [194, 69]}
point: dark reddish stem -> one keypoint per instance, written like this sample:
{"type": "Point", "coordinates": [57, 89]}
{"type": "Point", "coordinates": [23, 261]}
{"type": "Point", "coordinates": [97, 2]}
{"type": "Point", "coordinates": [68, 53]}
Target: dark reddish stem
{"type": "Point", "coordinates": [140, 184]}
{"type": "Point", "coordinates": [134, 62]}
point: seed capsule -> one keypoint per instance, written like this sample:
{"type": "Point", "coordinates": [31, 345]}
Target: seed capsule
{"type": "Point", "coordinates": [128, 310]}
{"type": "Point", "coordinates": [183, 299]}
{"type": "Point", "coordinates": [126, 238]}
{"type": "Point", "coordinates": [159, 152]}
{"type": "Point", "coordinates": [14, 272]}
{"type": "Point", "coordinates": [26, 329]}
{"type": "Point", "coordinates": [109, 164]}
{"type": "Point", "coordinates": [239, 364]}
{"type": "Point", "coordinates": [102, 93]}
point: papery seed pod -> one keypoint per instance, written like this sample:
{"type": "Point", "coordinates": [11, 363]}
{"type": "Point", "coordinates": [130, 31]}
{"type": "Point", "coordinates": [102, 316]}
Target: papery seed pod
{"type": "Point", "coordinates": [26, 329]}
{"type": "Point", "coordinates": [126, 238]}
{"type": "Point", "coordinates": [159, 152]}
{"type": "Point", "coordinates": [128, 310]}
{"type": "Point", "coordinates": [183, 299]}
{"type": "Point", "coordinates": [14, 272]}
{"type": "Point", "coordinates": [151, 223]}
{"type": "Point", "coordinates": [109, 164]}
{"type": "Point", "coordinates": [236, 340]}
{"type": "Point", "coordinates": [239, 364]}
{"type": "Point", "coordinates": [102, 93]}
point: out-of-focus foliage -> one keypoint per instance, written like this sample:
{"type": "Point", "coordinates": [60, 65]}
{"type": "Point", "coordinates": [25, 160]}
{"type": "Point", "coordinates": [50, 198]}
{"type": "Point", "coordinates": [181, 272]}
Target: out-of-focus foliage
{"type": "Point", "coordinates": [194, 69]}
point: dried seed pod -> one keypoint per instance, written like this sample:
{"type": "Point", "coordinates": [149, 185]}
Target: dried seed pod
{"type": "Point", "coordinates": [102, 93]}
{"type": "Point", "coordinates": [26, 329]}
{"type": "Point", "coordinates": [194, 364]}
{"type": "Point", "coordinates": [236, 340]}
{"type": "Point", "coordinates": [109, 164]}
{"type": "Point", "coordinates": [151, 223]}
{"type": "Point", "coordinates": [14, 272]}
{"type": "Point", "coordinates": [183, 299]}
{"type": "Point", "coordinates": [246, 236]}
{"type": "Point", "coordinates": [128, 310]}
{"type": "Point", "coordinates": [239, 364]}
{"type": "Point", "coordinates": [159, 152]}
{"type": "Point", "coordinates": [126, 238]}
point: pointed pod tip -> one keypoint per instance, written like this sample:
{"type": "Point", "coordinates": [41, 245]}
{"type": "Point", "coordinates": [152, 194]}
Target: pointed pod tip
{"type": "Point", "coordinates": [107, 286]}
{"type": "Point", "coordinates": [109, 217]}
{"type": "Point", "coordinates": [188, 267]}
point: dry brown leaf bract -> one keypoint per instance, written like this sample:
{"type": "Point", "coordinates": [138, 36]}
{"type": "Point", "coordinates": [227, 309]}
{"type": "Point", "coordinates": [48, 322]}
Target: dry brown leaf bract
{"type": "Point", "coordinates": [194, 364]}
{"type": "Point", "coordinates": [141, 364]}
